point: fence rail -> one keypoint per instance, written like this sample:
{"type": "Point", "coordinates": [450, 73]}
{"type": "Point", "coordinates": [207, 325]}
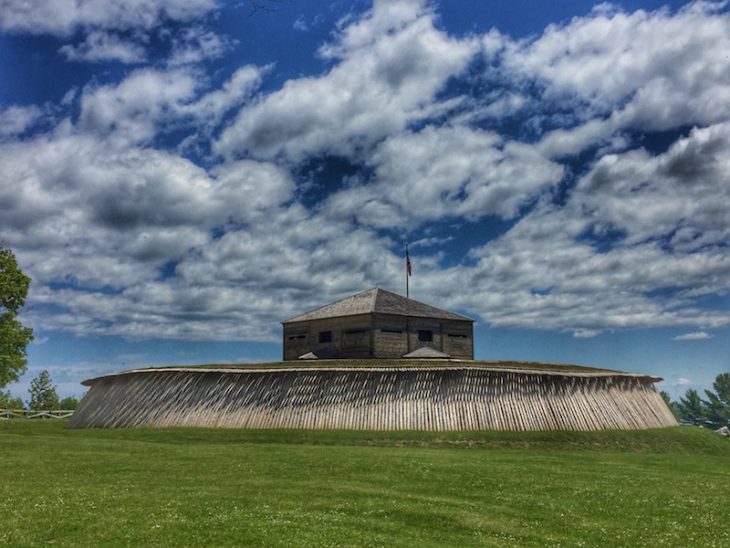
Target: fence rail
{"type": "Point", "coordinates": [31, 414]}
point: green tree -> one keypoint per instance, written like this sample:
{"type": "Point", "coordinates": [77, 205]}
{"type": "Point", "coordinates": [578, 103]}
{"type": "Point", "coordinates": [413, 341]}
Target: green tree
{"type": "Point", "coordinates": [717, 404]}
{"type": "Point", "coordinates": [43, 396]}
{"type": "Point", "coordinates": [671, 404]}
{"type": "Point", "coordinates": [69, 402]}
{"type": "Point", "coordinates": [7, 401]}
{"type": "Point", "coordinates": [690, 407]}
{"type": "Point", "coordinates": [14, 336]}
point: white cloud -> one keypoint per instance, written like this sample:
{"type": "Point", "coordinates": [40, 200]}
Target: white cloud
{"type": "Point", "coordinates": [63, 17]}
{"type": "Point", "coordinates": [236, 287]}
{"type": "Point", "coordinates": [130, 240]}
{"type": "Point", "coordinates": [119, 30]}
{"type": "Point", "coordinates": [300, 24]}
{"type": "Point", "coordinates": [678, 195]}
{"type": "Point", "coordinates": [214, 105]}
{"type": "Point", "coordinates": [543, 274]}
{"type": "Point", "coordinates": [150, 101]}
{"type": "Point", "coordinates": [615, 70]}
{"type": "Point", "coordinates": [638, 240]}
{"type": "Point", "coordinates": [195, 44]}
{"type": "Point", "coordinates": [695, 336]}
{"type": "Point", "coordinates": [654, 62]}
{"type": "Point", "coordinates": [100, 46]}
{"type": "Point", "coordinates": [132, 110]}
{"type": "Point", "coordinates": [585, 333]}
{"type": "Point", "coordinates": [390, 65]}
{"type": "Point", "coordinates": [79, 210]}
{"type": "Point", "coordinates": [446, 172]}
{"type": "Point", "coordinates": [16, 120]}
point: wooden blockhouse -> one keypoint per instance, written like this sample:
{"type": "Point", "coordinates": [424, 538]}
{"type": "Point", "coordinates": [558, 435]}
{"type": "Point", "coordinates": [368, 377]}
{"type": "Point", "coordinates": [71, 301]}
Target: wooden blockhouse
{"type": "Point", "coordinates": [378, 324]}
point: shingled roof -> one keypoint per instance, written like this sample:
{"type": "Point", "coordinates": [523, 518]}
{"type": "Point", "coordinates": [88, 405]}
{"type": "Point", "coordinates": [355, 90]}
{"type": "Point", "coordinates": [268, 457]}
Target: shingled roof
{"type": "Point", "coordinates": [379, 301]}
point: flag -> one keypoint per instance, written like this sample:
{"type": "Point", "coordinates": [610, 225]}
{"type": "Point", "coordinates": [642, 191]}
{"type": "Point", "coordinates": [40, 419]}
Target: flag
{"type": "Point", "coordinates": [408, 262]}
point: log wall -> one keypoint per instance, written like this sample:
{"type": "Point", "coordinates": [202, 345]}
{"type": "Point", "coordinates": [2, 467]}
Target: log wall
{"type": "Point", "coordinates": [374, 399]}
{"type": "Point", "coordinates": [387, 336]}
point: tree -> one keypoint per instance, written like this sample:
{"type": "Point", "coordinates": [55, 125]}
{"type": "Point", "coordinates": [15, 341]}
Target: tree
{"type": "Point", "coordinates": [43, 394]}
{"type": "Point", "coordinates": [70, 402]}
{"type": "Point", "coordinates": [671, 404]}
{"type": "Point", "coordinates": [717, 404]}
{"type": "Point", "coordinates": [690, 407]}
{"type": "Point", "coordinates": [7, 401]}
{"type": "Point", "coordinates": [14, 336]}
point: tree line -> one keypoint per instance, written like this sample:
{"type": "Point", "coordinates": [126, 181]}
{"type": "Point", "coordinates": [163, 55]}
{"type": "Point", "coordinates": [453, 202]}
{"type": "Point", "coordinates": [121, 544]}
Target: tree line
{"type": "Point", "coordinates": [714, 411]}
{"type": "Point", "coordinates": [43, 397]}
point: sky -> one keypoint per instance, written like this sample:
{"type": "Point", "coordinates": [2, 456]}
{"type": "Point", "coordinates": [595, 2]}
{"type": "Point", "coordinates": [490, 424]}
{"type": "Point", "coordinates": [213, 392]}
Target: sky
{"type": "Point", "coordinates": [179, 176]}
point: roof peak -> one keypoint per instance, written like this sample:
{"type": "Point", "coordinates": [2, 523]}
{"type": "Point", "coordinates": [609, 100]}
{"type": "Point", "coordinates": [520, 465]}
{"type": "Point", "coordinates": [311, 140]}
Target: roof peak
{"type": "Point", "coordinates": [376, 300]}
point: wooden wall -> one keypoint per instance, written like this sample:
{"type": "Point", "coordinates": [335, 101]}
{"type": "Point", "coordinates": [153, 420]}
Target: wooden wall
{"type": "Point", "coordinates": [378, 336]}
{"type": "Point", "coordinates": [378, 399]}
{"type": "Point", "coordinates": [351, 337]}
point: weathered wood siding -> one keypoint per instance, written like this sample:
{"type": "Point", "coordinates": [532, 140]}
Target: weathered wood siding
{"type": "Point", "coordinates": [453, 337]}
{"type": "Point", "coordinates": [390, 336]}
{"type": "Point", "coordinates": [387, 336]}
{"type": "Point", "coordinates": [374, 399]}
{"type": "Point", "coordinates": [457, 339]}
{"type": "Point", "coordinates": [351, 337]}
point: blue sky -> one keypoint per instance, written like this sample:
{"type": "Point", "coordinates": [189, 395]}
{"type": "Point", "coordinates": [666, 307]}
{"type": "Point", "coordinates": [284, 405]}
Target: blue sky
{"type": "Point", "coordinates": [181, 175]}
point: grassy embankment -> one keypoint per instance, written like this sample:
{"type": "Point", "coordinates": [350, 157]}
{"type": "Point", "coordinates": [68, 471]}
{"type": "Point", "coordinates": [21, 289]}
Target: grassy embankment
{"type": "Point", "coordinates": [303, 488]}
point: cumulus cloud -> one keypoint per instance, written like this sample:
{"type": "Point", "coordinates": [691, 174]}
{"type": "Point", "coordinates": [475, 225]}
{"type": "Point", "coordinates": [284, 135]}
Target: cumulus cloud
{"type": "Point", "coordinates": [63, 17]}
{"type": "Point", "coordinates": [694, 336]}
{"type": "Point", "coordinates": [236, 287]}
{"type": "Point", "coordinates": [446, 172]}
{"type": "Point", "coordinates": [150, 101]}
{"type": "Point", "coordinates": [16, 120]}
{"type": "Point", "coordinates": [100, 46]}
{"type": "Point", "coordinates": [120, 30]}
{"type": "Point", "coordinates": [391, 63]}
{"type": "Point", "coordinates": [114, 217]}
{"type": "Point", "coordinates": [195, 44]}
{"type": "Point", "coordinates": [585, 333]}
{"type": "Point", "coordinates": [678, 195]}
{"type": "Point", "coordinates": [124, 235]}
{"type": "Point", "coordinates": [133, 110]}
{"type": "Point", "coordinates": [654, 70]}
{"type": "Point", "coordinates": [639, 239]}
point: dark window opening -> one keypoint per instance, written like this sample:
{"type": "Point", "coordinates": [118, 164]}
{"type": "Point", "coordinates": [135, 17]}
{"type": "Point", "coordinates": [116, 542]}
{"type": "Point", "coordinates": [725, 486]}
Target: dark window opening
{"type": "Point", "coordinates": [393, 331]}
{"type": "Point", "coordinates": [425, 335]}
{"type": "Point", "coordinates": [297, 337]}
{"type": "Point", "coordinates": [457, 336]}
{"type": "Point", "coordinates": [325, 336]}
{"type": "Point", "coordinates": [355, 331]}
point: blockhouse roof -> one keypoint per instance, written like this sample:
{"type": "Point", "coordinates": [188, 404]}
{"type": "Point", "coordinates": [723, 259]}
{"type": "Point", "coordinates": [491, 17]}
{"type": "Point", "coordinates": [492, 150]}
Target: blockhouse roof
{"type": "Point", "coordinates": [380, 301]}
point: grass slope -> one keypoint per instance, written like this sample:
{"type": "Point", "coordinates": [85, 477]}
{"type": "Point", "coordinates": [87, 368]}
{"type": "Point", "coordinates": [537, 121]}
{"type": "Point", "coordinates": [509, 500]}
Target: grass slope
{"type": "Point", "coordinates": [304, 488]}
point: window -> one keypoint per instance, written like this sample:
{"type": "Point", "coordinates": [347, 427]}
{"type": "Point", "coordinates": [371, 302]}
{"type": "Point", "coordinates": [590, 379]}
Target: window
{"type": "Point", "coordinates": [297, 337]}
{"type": "Point", "coordinates": [325, 336]}
{"type": "Point", "coordinates": [456, 336]}
{"type": "Point", "coordinates": [355, 331]}
{"type": "Point", "coordinates": [392, 331]}
{"type": "Point", "coordinates": [425, 335]}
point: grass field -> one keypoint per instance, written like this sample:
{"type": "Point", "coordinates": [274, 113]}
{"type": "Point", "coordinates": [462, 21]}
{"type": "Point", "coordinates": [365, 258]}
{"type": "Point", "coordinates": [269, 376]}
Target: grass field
{"type": "Point", "coordinates": [306, 488]}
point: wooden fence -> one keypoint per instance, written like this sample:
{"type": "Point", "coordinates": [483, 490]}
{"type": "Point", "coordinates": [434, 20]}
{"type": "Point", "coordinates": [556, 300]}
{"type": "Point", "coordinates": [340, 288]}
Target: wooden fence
{"type": "Point", "coordinates": [429, 398]}
{"type": "Point", "coordinates": [30, 414]}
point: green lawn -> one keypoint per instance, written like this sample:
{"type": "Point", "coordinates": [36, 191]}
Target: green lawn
{"type": "Point", "coordinates": [305, 488]}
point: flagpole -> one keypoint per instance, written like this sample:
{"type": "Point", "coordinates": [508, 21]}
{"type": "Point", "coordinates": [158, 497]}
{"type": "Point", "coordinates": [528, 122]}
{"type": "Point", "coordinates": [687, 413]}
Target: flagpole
{"type": "Point", "coordinates": [408, 302]}
{"type": "Point", "coordinates": [408, 271]}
